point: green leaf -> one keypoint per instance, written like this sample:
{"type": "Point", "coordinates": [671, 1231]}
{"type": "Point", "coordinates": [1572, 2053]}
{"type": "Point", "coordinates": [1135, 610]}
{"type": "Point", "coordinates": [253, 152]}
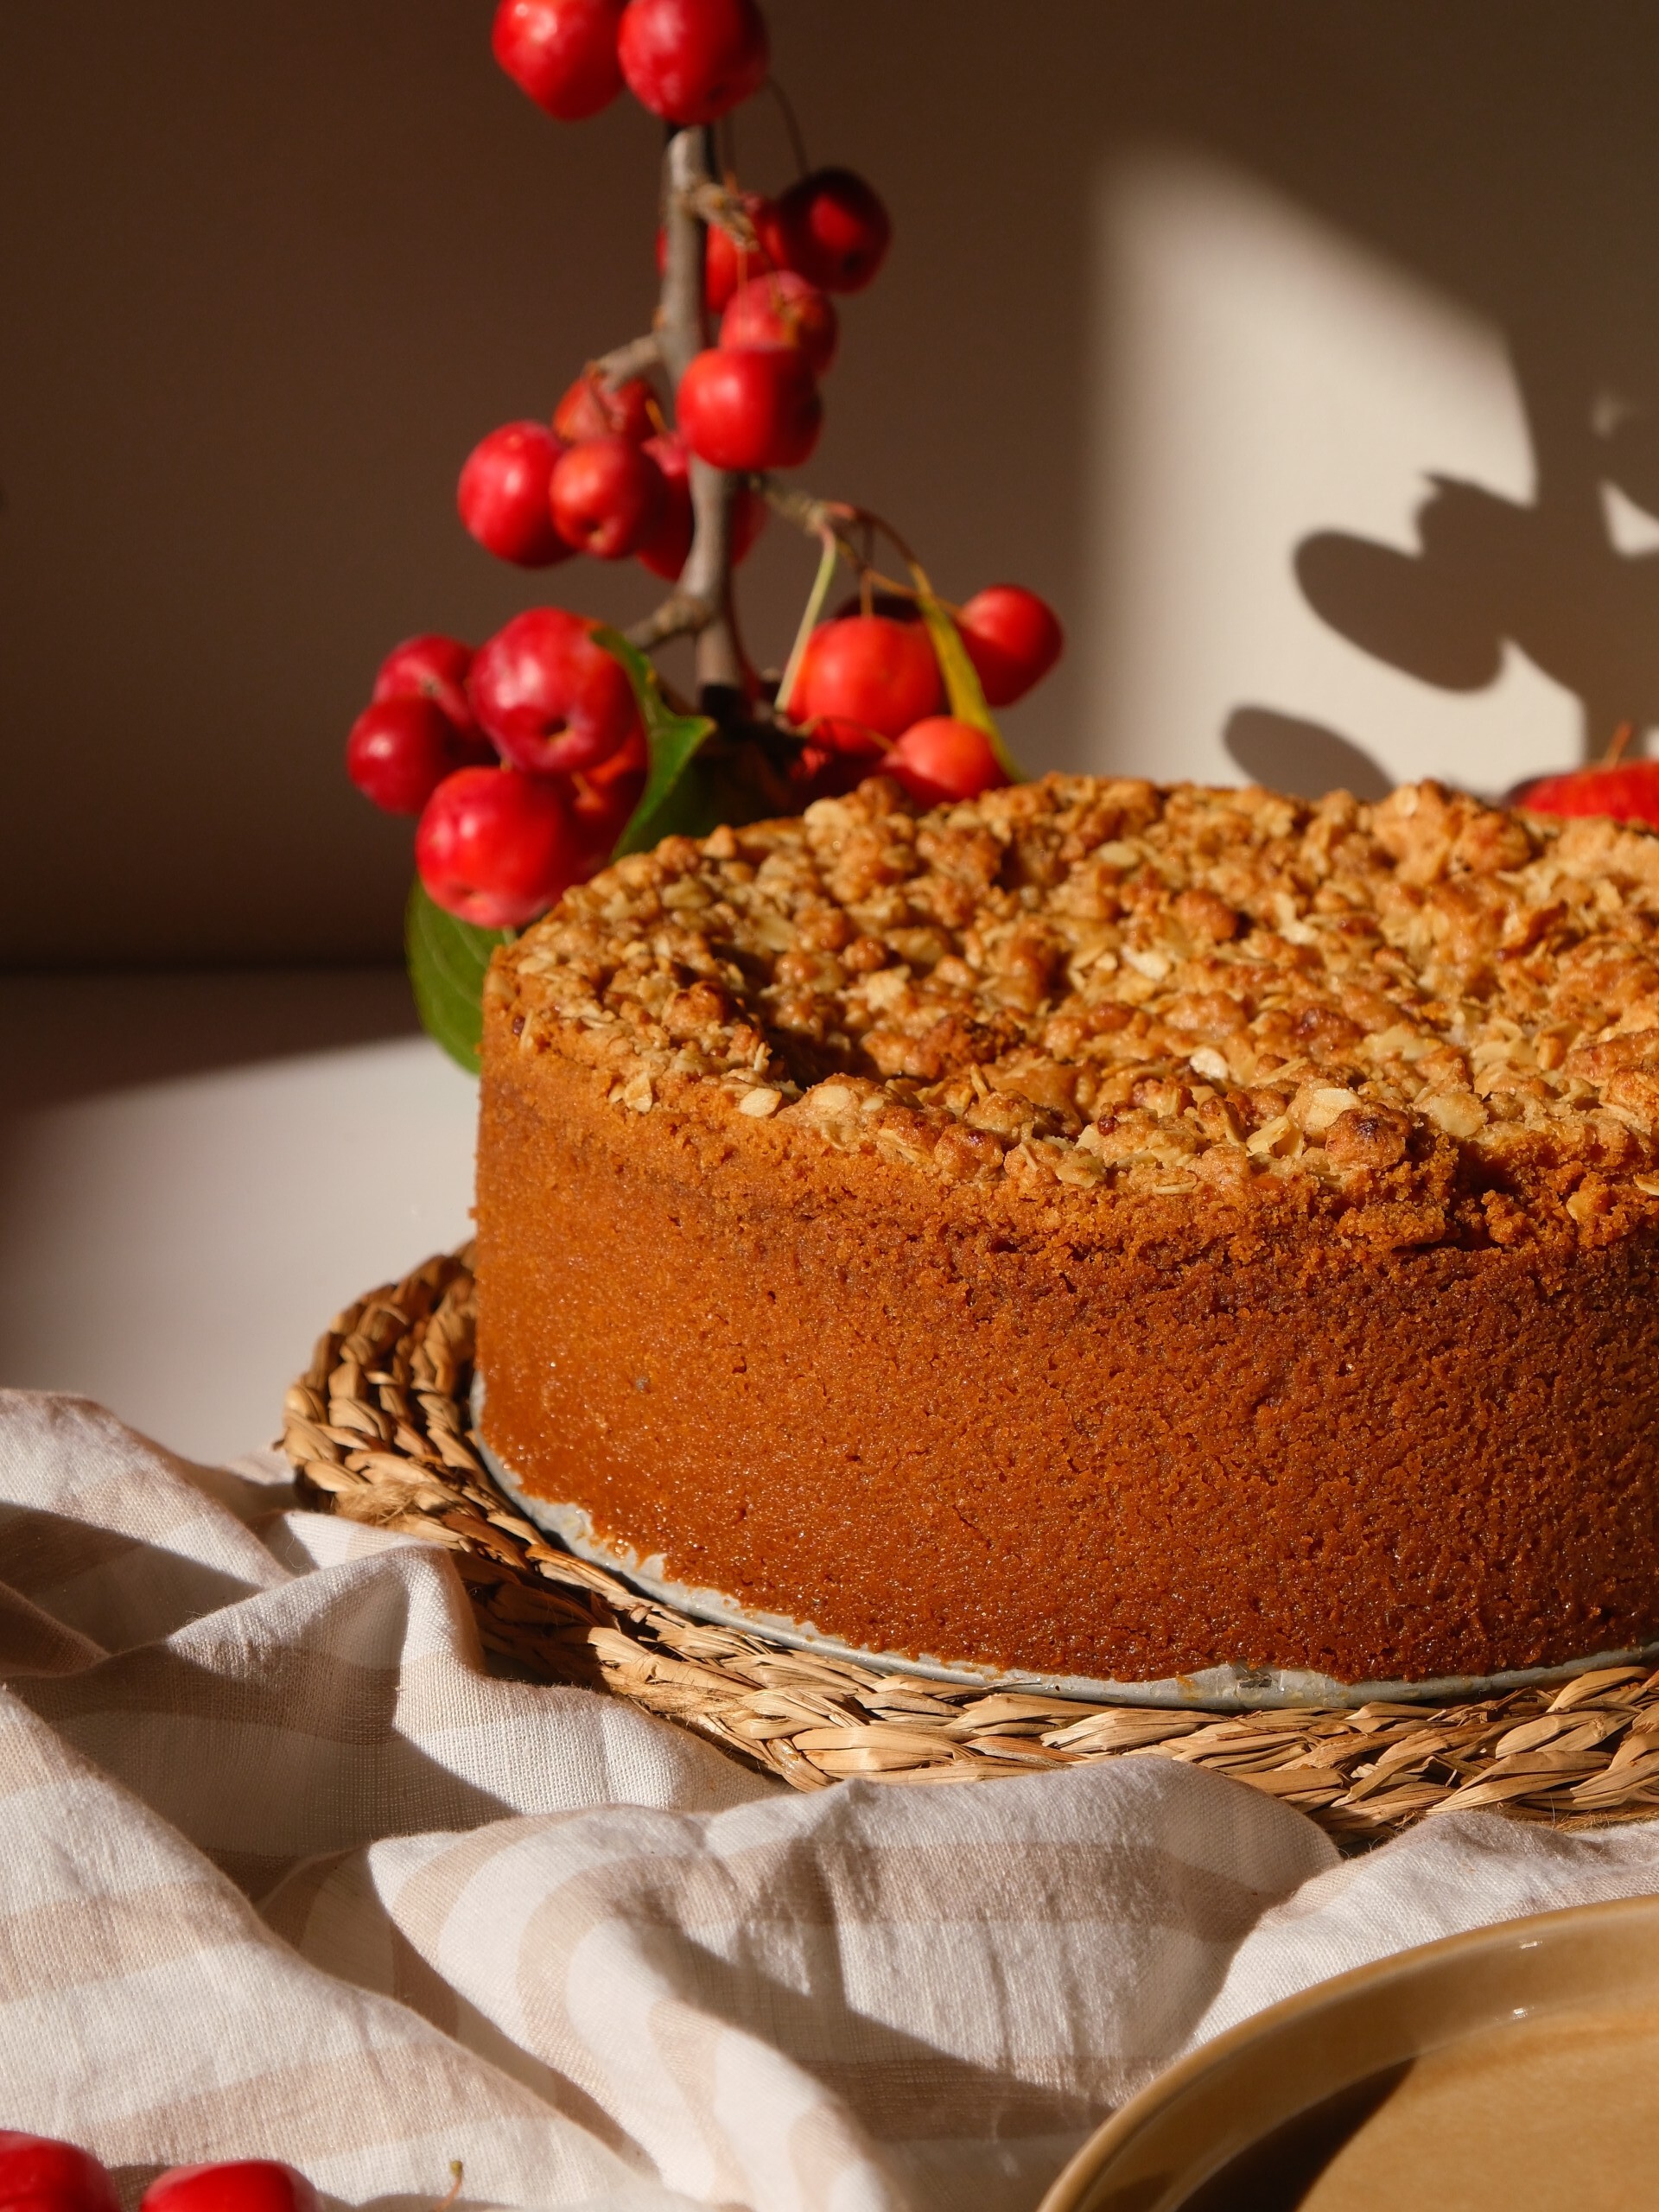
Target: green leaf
{"type": "Point", "coordinates": [962, 684]}
{"type": "Point", "coordinates": [446, 961]}
{"type": "Point", "coordinates": [678, 798]}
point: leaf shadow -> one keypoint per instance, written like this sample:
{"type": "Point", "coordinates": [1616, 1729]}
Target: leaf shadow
{"type": "Point", "coordinates": [1545, 574]}
{"type": "Point", "coordinates": [1303, 757]}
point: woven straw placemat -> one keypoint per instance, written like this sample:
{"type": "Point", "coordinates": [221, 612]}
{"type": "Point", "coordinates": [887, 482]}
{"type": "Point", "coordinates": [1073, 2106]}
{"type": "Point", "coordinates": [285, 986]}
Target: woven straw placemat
{"type": "Point", "coordinates": [380, 1429]}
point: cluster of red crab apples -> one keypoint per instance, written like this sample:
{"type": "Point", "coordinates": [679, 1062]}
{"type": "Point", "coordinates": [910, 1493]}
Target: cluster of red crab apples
{"type": "Point", "coordinates": [39, 2173]}
{"type": "Point", "coordinates": [524, 761]}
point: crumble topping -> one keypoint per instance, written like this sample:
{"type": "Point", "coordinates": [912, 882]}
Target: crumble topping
{"type": "Point", "coordinates": [1436, 1019]}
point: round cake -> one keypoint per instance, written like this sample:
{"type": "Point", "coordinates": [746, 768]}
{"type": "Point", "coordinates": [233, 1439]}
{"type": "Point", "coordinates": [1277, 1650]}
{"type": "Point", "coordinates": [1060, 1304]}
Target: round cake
{"type": "Point", "coordinates": [1097, 1229]}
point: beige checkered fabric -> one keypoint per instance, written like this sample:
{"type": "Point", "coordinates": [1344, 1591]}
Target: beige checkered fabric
{"type": "Point", "coordinates": [283, 1870]}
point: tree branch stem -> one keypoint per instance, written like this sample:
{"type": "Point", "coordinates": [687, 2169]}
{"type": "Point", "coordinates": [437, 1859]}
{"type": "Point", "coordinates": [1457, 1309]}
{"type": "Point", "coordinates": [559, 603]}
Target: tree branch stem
{"type": "Point", "coordinates": [630, 360]}
{"type": "Point", "coordinates": [835, 519]}
{"type": "Point", "coordinates": [706, 580]}
{"type": "Point", "coordinates": [680, 329]}
{"type": "Point", "coordinates": [680, 615]}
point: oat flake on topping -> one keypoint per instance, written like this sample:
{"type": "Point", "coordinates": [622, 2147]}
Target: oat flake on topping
{"type": "Point", "coordinates": [1435, 1019]}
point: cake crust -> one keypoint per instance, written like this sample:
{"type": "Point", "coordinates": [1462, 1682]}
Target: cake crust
{"type": "Point", "coordinates": [1096, 1228]}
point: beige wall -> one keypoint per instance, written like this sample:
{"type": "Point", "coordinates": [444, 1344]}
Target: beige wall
{"type": "Point", "coordinates": [272, 268]}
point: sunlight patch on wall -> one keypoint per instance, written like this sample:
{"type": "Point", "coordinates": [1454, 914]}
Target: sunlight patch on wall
{"type": "Point", "coordinates": [1274, 401]}
{"type": "Point", "coordinates": [1631, 530]}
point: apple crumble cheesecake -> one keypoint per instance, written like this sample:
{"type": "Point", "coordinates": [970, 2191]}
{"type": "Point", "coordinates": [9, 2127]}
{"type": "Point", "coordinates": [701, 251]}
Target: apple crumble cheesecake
{"type": "Point", "coordinates": [1099, 1228]}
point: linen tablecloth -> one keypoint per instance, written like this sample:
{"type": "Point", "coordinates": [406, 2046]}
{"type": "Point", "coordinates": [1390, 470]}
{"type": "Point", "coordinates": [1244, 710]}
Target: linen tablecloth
{"type": "Point", "coordinates": [285, 1871]}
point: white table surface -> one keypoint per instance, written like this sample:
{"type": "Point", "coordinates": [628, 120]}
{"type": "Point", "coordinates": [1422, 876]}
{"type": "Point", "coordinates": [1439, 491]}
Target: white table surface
{"type": "Point", "coordinates": [196, 1172]}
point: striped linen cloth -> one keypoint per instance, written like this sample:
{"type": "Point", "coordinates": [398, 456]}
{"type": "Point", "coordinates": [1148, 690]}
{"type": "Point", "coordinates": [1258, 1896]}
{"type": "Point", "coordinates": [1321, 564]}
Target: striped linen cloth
{"type": "Point", "coordinates": [285, 1871]}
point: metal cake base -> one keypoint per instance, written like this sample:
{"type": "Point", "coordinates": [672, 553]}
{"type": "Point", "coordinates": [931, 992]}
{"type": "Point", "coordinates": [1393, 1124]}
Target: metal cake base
{"type": "Point", "coordinates": [1226, 1687]}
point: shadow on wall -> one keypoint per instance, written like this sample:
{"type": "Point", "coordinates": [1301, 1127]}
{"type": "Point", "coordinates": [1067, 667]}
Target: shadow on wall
{"type": "Point", "coordinates": [1303, 757]}
{"type": "Point", "coordinates": [1548, 576]}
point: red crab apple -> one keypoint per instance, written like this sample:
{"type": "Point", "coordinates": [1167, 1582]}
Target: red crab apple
{"type": "Point", "coordinates": [836, 757]}
{"type": "Point", "coordinates": [547, 696]}
{"type": "Point", "coordinates": [665, 552]}
{"type": "Point", "coordinates": [832, 228]}
{"type": "Point", "coordinates": [593, 409]}
{"type": "Point", "coordinates": [607, 497]}
{"type": "Point", "coordinates": [602, 799]}
{"type": "Point", "coordinates": [726, 265]}
{"type": "Point", "coordinates": [1628, 792]}
{"type": "Point", "coordinates": [503, 494]}
{"type": "Point", "coordinates": [238, 2184]}
{"type": "Point", "coordinates": [942, 760]}
{"type": "Point", "coordinates": [750, 406]}
{"type": "Point", "coordinates": [562, 53]}
{"type": "Point", "coordinates": [783, 309]}
{"type": "Point", "coordinates": [692, 60]}
{"type": "Point", "coordinates": [851, 740]}
{"type": "Point", "coordinates": [870, 669]}
{"type": "Point", "coordinates": [1013, 638]}
{"type": "Point", "coordinates": [400, 750]}
{"type": "Point", "coordinates": [40, 2174]}
{"type": "Point", "coordinates": [429, 667]}
{"type": "Point", "coordinates": [495, 847]}
{"type": "Point", "coordinates": [1626, 789]}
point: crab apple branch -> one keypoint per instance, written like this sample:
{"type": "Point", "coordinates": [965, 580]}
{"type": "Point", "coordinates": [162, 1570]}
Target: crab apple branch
{"type": "Point", "coordinates": [722, 209]}
{"type": "Point", "coordinates": [530, 761]}
{"type": "Point", "coordinates": [678, 616]}
{"type": "Point", "coordinates": [834, 519]}
{"type": "Point", "coordinates": [632, 360]}
{"type": "Point", "coordinates": [701, 605]}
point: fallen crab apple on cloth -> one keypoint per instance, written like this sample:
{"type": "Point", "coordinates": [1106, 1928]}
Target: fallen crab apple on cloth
{"type": "Point", "coordinates": [285, 1873]}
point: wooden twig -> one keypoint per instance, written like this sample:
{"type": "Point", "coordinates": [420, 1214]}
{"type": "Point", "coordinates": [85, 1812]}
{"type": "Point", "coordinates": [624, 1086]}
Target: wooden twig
{"type": "Point", "coordinates": [706, 580]}
{"type": "Point", "coordinates": [837, 519]}
{"type": "Point", "coordinates": [722, 209]}
{"type": "Point", "coordinates": [680, 332]}
{"type": "Point", "coordinates": [680, 615]}
{"type": "Point", "coordinates": [625, 361]}
{"type": "Point", "coordinates": [805, 510]}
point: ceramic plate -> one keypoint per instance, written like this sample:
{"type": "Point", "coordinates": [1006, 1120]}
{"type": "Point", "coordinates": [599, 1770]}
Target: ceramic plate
{"type": "Point", "coordinates": [1512, 2070]}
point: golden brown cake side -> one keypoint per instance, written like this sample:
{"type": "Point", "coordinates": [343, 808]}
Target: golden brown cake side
{"type": "Point", "coordinates": [1041, 1358]}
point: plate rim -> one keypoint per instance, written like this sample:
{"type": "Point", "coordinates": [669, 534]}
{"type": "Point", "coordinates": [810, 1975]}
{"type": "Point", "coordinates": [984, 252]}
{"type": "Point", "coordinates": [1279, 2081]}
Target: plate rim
{"type": "Point", "coordinates": [1068, 2190]}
